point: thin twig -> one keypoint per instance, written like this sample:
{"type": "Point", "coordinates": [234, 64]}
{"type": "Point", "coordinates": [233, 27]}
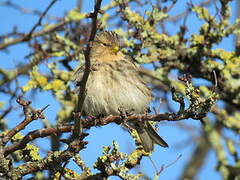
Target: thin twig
{"type": "Point", "coordinates": [25, 10]}
{"type": "Point", "coordinates": [30, 115]}
{"type": "Point", "coordinates": [174, 161]}
{"type": "Point", "coordinates": [62, 170]}
{"type": "Point", "coordinates": [163, 167]}
{"type": "Point", "coordinates": [43, 109]}
{"type": "Point", "coordinates": [40, 19]}
{"type": "Point", "coordinates": [175, 18]}
{"type": "Point", "coordinates": [154, 164]}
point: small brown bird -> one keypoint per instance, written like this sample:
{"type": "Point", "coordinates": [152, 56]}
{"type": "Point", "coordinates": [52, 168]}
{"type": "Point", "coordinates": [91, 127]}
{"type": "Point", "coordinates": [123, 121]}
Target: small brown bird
{"type": "Point", "coordinates": [114, 85]}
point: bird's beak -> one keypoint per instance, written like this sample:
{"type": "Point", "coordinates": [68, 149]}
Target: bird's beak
{"type": "Point", "coordinates": [116, 49]}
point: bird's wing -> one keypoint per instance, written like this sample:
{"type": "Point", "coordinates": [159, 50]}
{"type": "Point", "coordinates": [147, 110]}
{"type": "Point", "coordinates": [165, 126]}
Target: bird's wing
{"type": "Point", "coordinates": [78, 74]}
{"type": "Point", "coordinates": [130, 59]}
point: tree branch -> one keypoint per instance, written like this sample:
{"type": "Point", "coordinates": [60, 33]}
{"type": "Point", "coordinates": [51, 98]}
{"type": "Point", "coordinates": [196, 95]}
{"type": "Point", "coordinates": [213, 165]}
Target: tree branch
{"type": "Point", "coordinates": [34, 135]}
{"type": "Point", "coordinates": [53, 159]}
{"type": "Point", "coordinates": [30, 115]}
{"type": "Point", "coordinates": [40, 19]}
{"type": "Point", "coordinates": [98, 122]}
{"type": "Point", "coordinates": [36, 34]}
{"type": "Point", "coordinates": [82, 91]}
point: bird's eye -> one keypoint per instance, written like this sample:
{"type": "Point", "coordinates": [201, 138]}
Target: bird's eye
{"type": "Point", "coordinates": [105, 44]}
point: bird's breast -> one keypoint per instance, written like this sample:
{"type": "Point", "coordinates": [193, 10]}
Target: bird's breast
{"type": "Point", "coordinates": [116, 86]}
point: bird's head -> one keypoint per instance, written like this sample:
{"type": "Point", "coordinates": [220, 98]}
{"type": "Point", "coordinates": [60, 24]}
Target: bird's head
{"type": "Point", "coordinates": [107, 46]}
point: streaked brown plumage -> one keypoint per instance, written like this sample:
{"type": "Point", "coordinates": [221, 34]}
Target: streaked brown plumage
{"type": "Point", "coordinates": [114, 84]}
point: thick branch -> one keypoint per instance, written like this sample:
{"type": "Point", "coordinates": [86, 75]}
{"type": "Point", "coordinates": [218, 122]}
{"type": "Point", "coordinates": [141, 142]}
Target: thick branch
{"type": "Point", "coordinates": [34, 135]}
{"type": "Point", "coordinates": [50, 161]}
{"type": "Point", "coordinates": [97, 122]}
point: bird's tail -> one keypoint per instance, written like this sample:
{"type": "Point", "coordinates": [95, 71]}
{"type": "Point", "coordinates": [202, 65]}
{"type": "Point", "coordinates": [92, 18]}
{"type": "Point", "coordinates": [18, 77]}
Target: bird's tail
{"type": "Point", "coordinates": [149, 137]}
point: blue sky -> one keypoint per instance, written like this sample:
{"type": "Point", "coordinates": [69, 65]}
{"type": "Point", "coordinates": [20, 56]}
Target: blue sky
{"type": "Point", "coordinates": [100, 136]}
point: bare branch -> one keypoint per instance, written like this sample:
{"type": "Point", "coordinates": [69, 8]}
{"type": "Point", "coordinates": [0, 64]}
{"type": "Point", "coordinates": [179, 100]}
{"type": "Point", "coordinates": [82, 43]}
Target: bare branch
{"type": "Point", "coordinates": [40, 19]}
{"type": "Point", "coordinates": [175, 18]}
{"type": "Point", "coordinates": [25, 10]}
{"type": "Point", "coordinates": [30, 115]}
{"type": "Point", "coordinates": [82, 95]}
{"type": "Point", "coordinates": [34, 135]}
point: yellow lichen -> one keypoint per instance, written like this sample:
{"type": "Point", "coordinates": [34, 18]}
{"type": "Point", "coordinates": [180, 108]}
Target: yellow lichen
{"type": "Point", "coordinates": [55, 85]}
